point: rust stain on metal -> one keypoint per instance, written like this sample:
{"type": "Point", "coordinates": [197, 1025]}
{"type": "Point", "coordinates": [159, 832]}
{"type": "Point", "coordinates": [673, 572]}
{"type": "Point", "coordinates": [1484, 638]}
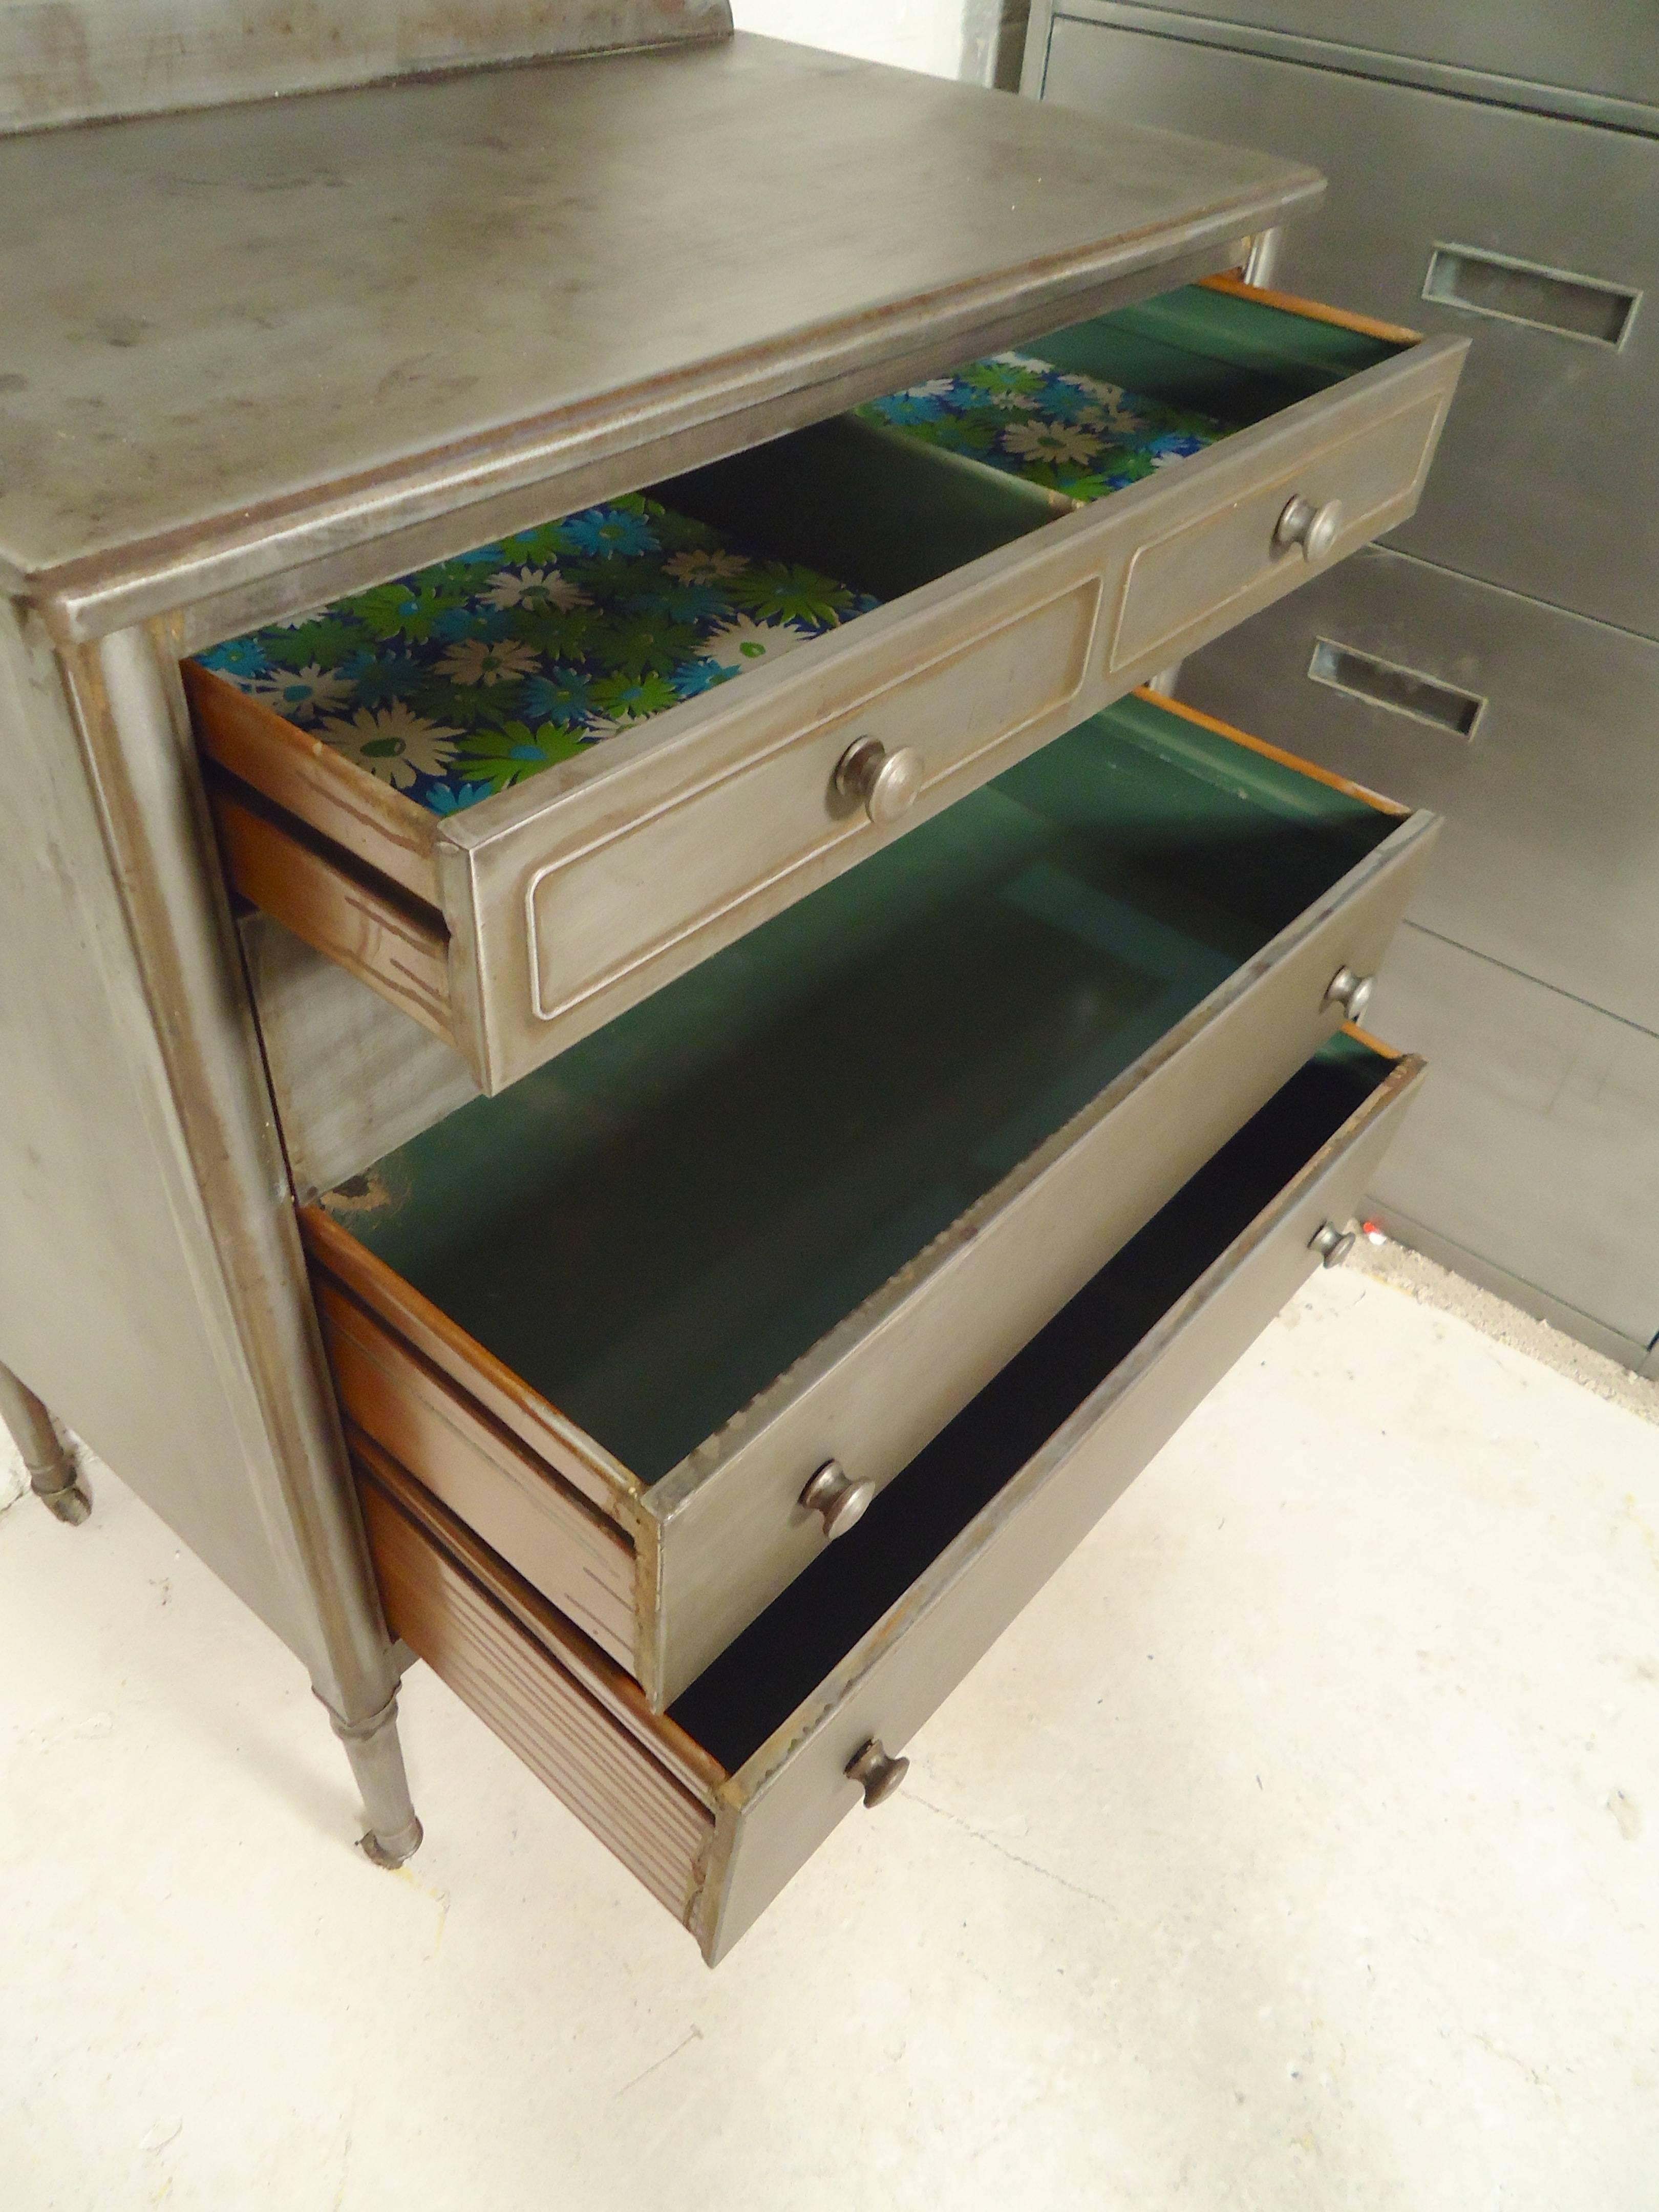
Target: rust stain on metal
{"type": "Point", "coordinates": [364, 1193]}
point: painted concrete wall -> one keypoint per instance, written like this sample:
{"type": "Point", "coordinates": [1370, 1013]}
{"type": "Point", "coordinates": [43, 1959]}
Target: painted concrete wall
{"type": "Point", "coordinates": [919, 34]}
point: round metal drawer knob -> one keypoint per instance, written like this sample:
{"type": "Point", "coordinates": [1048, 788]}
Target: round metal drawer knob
{"type": "Point", "coordinates": [885, 784]}
{"type": "Point", "coordinates": [876, 1772]}
{"type": "Point", "coordinates": [1332, 1244]}
{"type": "Point", "coordinates": [1315, 529]}
{"type": "Point", "coordinates": [1351, 992]}
{"type": "Point", "coordinates": [842, 1501]}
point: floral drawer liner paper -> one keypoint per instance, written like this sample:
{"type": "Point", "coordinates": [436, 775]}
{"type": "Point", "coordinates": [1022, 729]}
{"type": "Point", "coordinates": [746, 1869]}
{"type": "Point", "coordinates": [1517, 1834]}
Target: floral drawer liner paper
{"type": "Point", "coordinates": [468, 677]}
{"type": "Point", "coordinates": [1068, 433]}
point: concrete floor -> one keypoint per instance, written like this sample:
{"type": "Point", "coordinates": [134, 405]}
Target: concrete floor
{"type": "Point", "coordinates": [1298, 1848]}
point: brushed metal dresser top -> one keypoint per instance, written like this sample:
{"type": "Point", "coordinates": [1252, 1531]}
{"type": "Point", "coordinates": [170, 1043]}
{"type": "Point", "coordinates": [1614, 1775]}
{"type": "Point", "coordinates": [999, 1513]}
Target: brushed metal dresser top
{"type": "Point", "coordinates": [246, 336]}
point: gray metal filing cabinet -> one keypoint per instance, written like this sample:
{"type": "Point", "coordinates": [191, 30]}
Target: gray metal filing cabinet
{"type": "Point", "coordinates": [1494, 172]}
{"type": "Point", "coordinates": [682, 1235]}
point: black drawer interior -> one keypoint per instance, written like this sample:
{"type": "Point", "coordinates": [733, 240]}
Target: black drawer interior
{"type": "Point", "coordinates": [777, 1661]}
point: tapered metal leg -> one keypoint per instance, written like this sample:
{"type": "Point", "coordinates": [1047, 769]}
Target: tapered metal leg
{"type": "Point", "coordinates": [377, 1760]}
{"type": "Point", "coordinates": [53, 1476]}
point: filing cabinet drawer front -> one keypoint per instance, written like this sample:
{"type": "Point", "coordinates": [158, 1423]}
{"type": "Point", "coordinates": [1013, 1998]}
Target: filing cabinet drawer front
{"type": "Point", "coordinates": [1551, 804]}
{"type": "Point", "coordinates": [1540, 483]}
{"type": "Point", "coordinates": [786, 1800]}
{"type": "Point", "coordinates": [734, 1531]}
{"type": "Point", "coordinates": [1537, 1147]}
{"type": "Point", "coordinates": [679, 870]}
{"type": "Point", "coordinates": [1608, 49]}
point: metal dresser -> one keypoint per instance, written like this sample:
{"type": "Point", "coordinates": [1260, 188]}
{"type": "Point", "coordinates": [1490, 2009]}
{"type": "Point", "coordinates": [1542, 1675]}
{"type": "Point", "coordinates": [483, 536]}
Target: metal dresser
{"type": "Point", "coordinates": [1493, 172]}
{"type": "Point", "coordinates": [684, 1229]}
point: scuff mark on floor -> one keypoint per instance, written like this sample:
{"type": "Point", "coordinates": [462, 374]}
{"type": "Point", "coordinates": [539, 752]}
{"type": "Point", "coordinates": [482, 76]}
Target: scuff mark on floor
{"type": "Point", "coordinates": [692, 2035]}
{"type": "Point", "coordinates": [1002, 1850]}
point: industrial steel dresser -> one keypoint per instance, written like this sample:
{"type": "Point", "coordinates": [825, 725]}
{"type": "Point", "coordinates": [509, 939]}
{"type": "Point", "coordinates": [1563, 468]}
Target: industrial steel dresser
{"type": "Point", "coordinates": [632, 1059]}
{"type": "Point", "coordinates": [1493, 171]}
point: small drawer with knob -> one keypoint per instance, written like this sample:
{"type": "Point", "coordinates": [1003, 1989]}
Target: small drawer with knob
{"type": "Point", "coordinates": [518, 791]}
{"type": "Point", "coordinates": [662, 1321]}
{"type": "Point", "coordinates": [809, 1715]}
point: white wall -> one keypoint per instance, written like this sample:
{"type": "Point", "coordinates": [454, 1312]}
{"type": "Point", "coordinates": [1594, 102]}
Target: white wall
{"type": "Point", "coordinates": [919, 34]}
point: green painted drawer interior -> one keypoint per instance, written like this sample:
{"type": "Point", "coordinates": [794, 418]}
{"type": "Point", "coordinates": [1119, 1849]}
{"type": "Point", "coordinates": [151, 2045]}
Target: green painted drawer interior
{"type": "Point", "coordinates": [1240, 360]}
{"type": "Point", "coordinates": [656, 1224]}
{"type": "Point", "coordinates": [895, 503]}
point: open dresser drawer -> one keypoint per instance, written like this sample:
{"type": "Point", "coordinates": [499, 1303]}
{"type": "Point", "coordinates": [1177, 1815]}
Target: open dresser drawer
{"type": "Point", "coordinates": [660, 1322]}
{"type": "Point", "coordinates": [716, 1805]}
{"type": "Point", "coordinates": [791, 658]}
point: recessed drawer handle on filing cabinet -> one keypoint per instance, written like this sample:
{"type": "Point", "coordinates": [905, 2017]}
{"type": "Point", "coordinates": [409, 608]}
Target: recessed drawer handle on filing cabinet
{"type": "Point", "coordinates": [1351, 992]}
{"type": "Point", "coordinates": [842, 1501]}
{"type": "Point", "coordinates": [876, 1772]}
{"type": "Point", "coordinates": [1332, 1244]}
{"type": "Point", "coordinates": [1401, 691]}
{"type": "Point", "coordinates": [885, 784]}
{"type": "Point", "coordinates": [1554, 299]}
{"type": "Point", "coordinates": [1315, 529]}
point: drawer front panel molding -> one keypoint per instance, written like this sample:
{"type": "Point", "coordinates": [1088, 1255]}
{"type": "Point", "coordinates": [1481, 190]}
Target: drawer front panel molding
{"type": "Point", "coordinates": [711, 850]}
{"type": "Point", "coordinates": [1228, 560]}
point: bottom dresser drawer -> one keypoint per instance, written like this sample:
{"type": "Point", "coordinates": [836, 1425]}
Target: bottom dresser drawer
{"type": "Point", "coordinates": [716, 1804]}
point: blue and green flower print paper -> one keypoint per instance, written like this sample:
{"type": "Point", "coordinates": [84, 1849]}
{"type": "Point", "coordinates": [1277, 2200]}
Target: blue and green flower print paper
{"type": "Point", "coordinates": [1068, 433]}
{"type": "Point", "coordinates": [470, 677]}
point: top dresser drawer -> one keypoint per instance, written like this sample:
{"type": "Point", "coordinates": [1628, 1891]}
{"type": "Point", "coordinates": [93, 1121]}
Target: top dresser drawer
{"type": "Point", "coordinates": [953, 587]}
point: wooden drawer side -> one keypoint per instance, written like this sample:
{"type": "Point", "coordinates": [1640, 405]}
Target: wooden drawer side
{"type": "Point", "coordinates": [598, 1770]}
{"type": "Point", "coordinates": [573, 1456]}
{"type": "Point", "coordinates": [371, 930]}
{"type": "Point", "coordinates": [577, 1558]}
{"type": "Point", "coordinates": [307, 778]}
